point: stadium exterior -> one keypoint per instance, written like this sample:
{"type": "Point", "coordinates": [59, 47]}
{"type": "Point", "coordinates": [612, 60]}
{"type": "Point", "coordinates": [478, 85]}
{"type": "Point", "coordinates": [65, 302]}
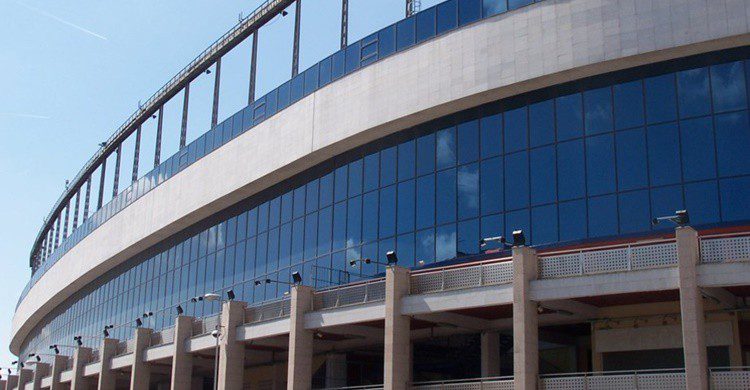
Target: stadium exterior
{"type": "Point", "coordinates": [328, 235]}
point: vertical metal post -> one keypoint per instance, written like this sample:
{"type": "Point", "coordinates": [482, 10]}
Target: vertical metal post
{"type": "Point", "coordinates": [65, 223]}
{"type": "Point", "coordinates": [217, 84]}
{"type": "Point", "coordinates": [86, 199]}
{"type": "Point", "coordinates": [183, 130]}
{"type": "Point", "coordinates": [136, 154]}
{"type": "Point", "coordinates": [57, 232]}
{"type": "Point", "coordinates": [295, 53]}
{"type": "Point", "coordinates": [253, 69]}
{"type": "Point", "coordinates": [50, 235]}
{"type": "Point", "coordinates": [159, 123]}
{"type": "Point", "coordinates": [409, 8]}
{"type": "Point", "coordinates": [344, 23]}
{"type": "Point", "coordinates": [100, 202]}
{"type": "Point", "coordinates": [116, 181]}
{"type": "Point", "coordinates": [76, 209]}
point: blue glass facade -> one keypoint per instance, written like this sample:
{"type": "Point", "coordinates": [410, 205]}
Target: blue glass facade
{"type": "Point", "coordinates": [595, 159]}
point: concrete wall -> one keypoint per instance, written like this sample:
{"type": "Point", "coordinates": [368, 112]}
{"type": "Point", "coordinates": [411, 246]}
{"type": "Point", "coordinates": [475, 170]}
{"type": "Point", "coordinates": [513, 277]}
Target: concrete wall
{"type": "Point", "coordinates": [531, 48]}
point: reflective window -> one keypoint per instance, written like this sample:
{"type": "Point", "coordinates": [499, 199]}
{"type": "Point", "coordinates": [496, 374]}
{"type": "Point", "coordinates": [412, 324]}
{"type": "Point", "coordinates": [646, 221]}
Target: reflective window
{"type": "Point", "coordinates": [697, 142]}
{"type": "Point", "coordinates": [447, 16]}
{"type": "Point", "coordinates": [661, 99]}
{"type": "Point", "coordinates": [542, 123]}
{"type": "Point", "coordinates": [733, 143]}
{"type": "Point", "coordinates": [569, 117]}
{"type": "Point", "coordinates": [598, 110]}
{"type": "Point", "coordinates": [693, 92]}
{"type": "Point", "coordinates": [728, 87]}
{"type": "Point", "coordinates": [600, 164]}
{"type": "Point", "coordinates": [632, 165]}
{"type": "Point", "coordinates": [663, 154]}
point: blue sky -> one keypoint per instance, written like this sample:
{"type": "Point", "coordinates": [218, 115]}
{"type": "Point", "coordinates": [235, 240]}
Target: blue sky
{"type": "Point", "coordinates": [73, 71]}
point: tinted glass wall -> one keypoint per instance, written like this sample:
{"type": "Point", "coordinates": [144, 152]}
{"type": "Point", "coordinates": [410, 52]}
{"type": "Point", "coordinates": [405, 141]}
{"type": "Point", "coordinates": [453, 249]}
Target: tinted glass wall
{"type": "Point", "coordinates": [599, 162]}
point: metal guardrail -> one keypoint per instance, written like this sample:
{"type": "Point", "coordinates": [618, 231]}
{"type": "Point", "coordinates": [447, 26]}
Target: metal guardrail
{"type": "Point", "coordinates": [164, 336]}
{"type": "Point", "coordinates": [356, 294]}
{"type": "Point", "coordinates": [723, 249]}
{"type": "Point", "coordinates": [176, 83]}
{"type": "Point", "coordinates": [269, 310]}
{"type": "Point", "coordinates": [206, 324]}
{"type": "Point", "coordinates": [642, 379]}
{"type": "Point", "coordinates": [95, 356]}
{"type": "Point", "coordinates": [490, 383]}
{"type": "Point", "coordinates": [125, 347]}
{"type": "Point", "coordinates": [730, 378]}
{"type": "Point", "coordinates": [621, 258]}
{"type": "Point", "coordinates": [462, 277]}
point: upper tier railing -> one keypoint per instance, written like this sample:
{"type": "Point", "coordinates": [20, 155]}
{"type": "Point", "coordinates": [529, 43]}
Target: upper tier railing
{"type": "Point", "coordinates": [356, 55]}
{"type": "Point", "coordinates": [199, 64]}
{"type": "Point", "coordinates": [349, 295]}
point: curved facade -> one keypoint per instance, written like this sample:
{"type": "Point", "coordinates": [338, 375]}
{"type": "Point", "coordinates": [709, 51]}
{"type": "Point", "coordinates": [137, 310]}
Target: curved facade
{"type": "Point", "coordinates": [575, 152]}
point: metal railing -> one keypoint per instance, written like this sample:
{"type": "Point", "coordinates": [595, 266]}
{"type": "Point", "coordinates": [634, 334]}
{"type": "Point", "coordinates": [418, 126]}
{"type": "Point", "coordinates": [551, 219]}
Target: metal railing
{"type": "Point", "coordinates": [269, 310]}
{"type": "Point", "coordinates": [164, 336]}
{"type": "Point", "coordinates": [489, 383]}
{"type": "Point", "coordinates": [125, 347]}
{"type": "Point", "coordinates": [195, 67]}
{"type": "Point", "coordinates": [609, 259]}
{"type": "Point", "coordinates": [664, 379]}
{"type": "Point", "coordinates": [95, 356]}
{"type": "Point", "coordinates": [729, 378]}
{"type": "Point", "coordinates": [363, 387]}
{"type": "Point", "coordinates": [725, 248]}
{"type": "Point", "coordinates": [462, 277]}
{"type": "Point", "coordinates": [206, 324]}
{"type": "Point", "coordinates": [349, 295]}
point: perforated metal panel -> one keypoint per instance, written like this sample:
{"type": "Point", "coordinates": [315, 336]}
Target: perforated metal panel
{"type": "Point", "coordinates": [654, 256]}
{"type": "Point", "coordinates": [426, 282]}
{"type": "Point", "coordinates": [562, 383]}
{"type": "Point", "coordinates": [122, 348]}
{"type": "Point", "coordinates": [730, 380]}
{"type": "Point", "coordinates": [165, 336]}
{"type": "Point", "coordinates": [662, 381]}
{"type": "Point", "coordinates": [605, 261]}
{"type": "Point", "coordinates": [373, 291]}
{"type": "Point", "coordinates": [722, 250]}
{"type": "Point", "coordinates": [469, 384]}
{"type": "Point", "coordinates": [560, 266]}
{"type": "Point", "coordinates": [94, 356]}
{"type": "Point", "coordinates": [498, 273]}
{"type": "Point", "coordinates": [462, 278]}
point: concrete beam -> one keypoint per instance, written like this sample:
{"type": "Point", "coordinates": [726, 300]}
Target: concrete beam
{"type": "Point", "coordinates": [457, 320]}
{"type": "Point", "coordinates": [571, 307]}
{"type": "Point", "coordinates": [721, 296]}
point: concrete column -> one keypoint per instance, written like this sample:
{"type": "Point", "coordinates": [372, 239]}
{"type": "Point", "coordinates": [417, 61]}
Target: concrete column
{"type": "Point", "coordinates": [397, 331]}
{"type": "Point", "coordinates": [25, 376]}
{"type": "Point", "coordinates": [41, 370]}
{"type": "Point", "coordinates": [231, 352]}
{"type": "Point", "coordinates": [140, 375]}
{"type": "Point", "coordinates": [59, 364]}
{"type": "Point", "coordinates": [335, 370]}
{"type": "Point", "coordinates": [182, 361]}
{"type": "Point", "coordinates": [525, 320]}
{"type": "Point", "coordinates": [11, 382]}
{"type": "Point", "coordinates": [691, 309]}
{"type": "Point", "coordinates": [3, 384]}
{"type": "Point", "coordinates": [81, 356]}
{"type": "Point", "coordinates": [107, 377]}
{"type": "Point", "coordinates": [490, 345]}
{"type": "Point", "coordinates": [299, 369]}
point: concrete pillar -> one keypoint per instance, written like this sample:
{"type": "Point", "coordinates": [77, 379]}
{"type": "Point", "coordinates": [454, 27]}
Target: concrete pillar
{"type": "Point", "coordinates": [490, 346]}
{"type": "Point", "coordinates": [81, 356]}
{"type": "Point", "coordinates": [299, 368]}
{"type": "Point", "coordinates": [59, 364]}
{"type": "Point", "coordinates": [231, 352]}
{"type": "Point", "coordinates": [107, 377]}
{"type": "Point", "coordinates": [182, 361]}
{"type": "Point", "coordinates": [41, 370]}
{"type": "Point", "coordinates": [335, 370]}
{"type": "Point", "coordinates": [140, 374]}
{"type": "Point", "coordinates": [3, 384]}
{"type": "Point", "coordinates": [525, 320]}
{"type": "Point", "coordinates": [735, 350]}
{"type": "Point", "coordinates": [397, 331]}
{"type": "Point", "coordinates": [691, 309]}
{"type": "Point", "coordinates": [25, 376]}
{"type": "Point", "coordinates": [11, 382]}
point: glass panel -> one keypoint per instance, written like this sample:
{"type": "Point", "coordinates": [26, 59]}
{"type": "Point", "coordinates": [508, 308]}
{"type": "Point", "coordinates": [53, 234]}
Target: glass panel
{"type": "Point", "coordinates": [445, 242]}
{"type": "Point", "coordinates": [467, 238]}
{"type": "Point", "coordinates": [426, 154]}
{"type": "Point", "coordinates": [493, 7]}
{"type": "Point", "coordinates": [702, 199]}
{"type": "Point", "coordinates": [468, 191]}
{"type": "Point", "coordinates": [516, 181]}
{"type": "Point", "coordinates": [355, 178]}
{"type": "Point", "coordinates": [733, 143]}
{"type": "Point", "coordinates": [425, 24]}
{"type": "Point", "coordinates": [516, 132]}
{"type": "Point", "coordinates": [468, 142]}
{"type": "Point", "coordinates": [405, 213]}
{"type": "Point", "coordinates": [569, 117]}
{"type": "Point", "coordinates": [469, 11]}
{"type": "Point", "coordinates": [600, 165]}
{"type": "Point", "coordinates": [734, 196]}
{"type": "Point", "coordinates": [661, 98]}
{"type": "Point", "coordinates": [388, 166]}
{"type": "Point", "coordinates": [542, 123]}
{"type": "Point", "coordinates": [544, 224]}
{"type": "Point", "coordinates": [632, 171]}
{"type": "Point", "coordinates": [693, 92]}
{"type": "Point", "coordinates": [387, 41]}
{"type": "Point", "coordinates": [543, 175]}
{"type": "Point", "coordinates": [635, 212]}
{"type": "Point", "coordinates": [372, 171]}
{"type": "Point", "coordinates": [446, 148]}
{"type": "Point", "coordinates": [446, 196]}
{"type": "Point", "coordinates": [447, 16]}
{"type": "Point", "coordinates": [425, 194]}
{"type": "Point", "coordinates": [572, 220]}
{"type": "Point", "coordinates": [629, 104]}
{"type": "Point", "coordinates": [664, 154]}
{"type": "Point", "coordinates": [570, 165]}
{"type": "Point", "coordinates": [491, 135]}
{"type": "Point", "coordinates": [492, 185]}
{"type": "Point", "coordinates": [387, 212]}
{"type": "Point", "coordinates": [340, 183]}
{"type": "Point", "coordinates": [728, 87]}
{"type": "Point", "coordinates": [406, 160]}
{"type": "Point", "coordinates": [598, 110]}
{"type": "Point", "coordinates": [405, 33]}
{"type": "Point", "coordinates": [603, 216]}
{"type": "Point", "coordinates": [515, 4]}
{"type": "Point", "coordinates": [698, 157]}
